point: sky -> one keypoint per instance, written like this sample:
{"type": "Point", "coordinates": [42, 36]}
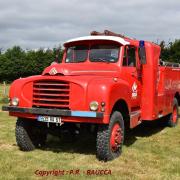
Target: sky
{"type": "Point", "coordinates": [33, 24]}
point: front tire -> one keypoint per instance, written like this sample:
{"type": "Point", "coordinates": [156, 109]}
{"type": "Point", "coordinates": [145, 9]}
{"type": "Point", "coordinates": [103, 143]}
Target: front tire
{"type": "Point", "coordinates": [173, 118]}
{"type": "Point", "coordinates": [29, 135]}
{"type": "Point", "coordinates": [110, 138]}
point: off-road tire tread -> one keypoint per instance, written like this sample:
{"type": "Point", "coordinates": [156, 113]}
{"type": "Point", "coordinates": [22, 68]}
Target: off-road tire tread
{"type": "Point", "coordinates": [22, 135]}
{"type": "Point", "coordinates": [26, 138]}
{"type": "Point", "coordinates": [103, 135]}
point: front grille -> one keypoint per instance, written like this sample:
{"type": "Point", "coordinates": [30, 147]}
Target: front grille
{"type": "Point", "coordinates": [51, 94]}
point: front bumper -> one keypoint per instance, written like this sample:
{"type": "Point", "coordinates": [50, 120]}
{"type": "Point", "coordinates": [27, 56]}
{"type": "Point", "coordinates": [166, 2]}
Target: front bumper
{"type": "Point", "coordinates": [53, 112]}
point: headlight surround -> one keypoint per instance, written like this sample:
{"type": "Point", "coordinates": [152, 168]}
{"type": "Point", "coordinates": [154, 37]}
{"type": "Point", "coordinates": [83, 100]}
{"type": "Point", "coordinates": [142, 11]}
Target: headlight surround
{"type": "Point", "coordinates": [94, 105]}
{"type": "Point", "coordinates": [15, 101]}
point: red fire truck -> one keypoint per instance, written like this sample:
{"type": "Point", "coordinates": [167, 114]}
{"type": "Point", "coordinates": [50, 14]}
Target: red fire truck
{"type": "Point", "coordinates": [105, 80]}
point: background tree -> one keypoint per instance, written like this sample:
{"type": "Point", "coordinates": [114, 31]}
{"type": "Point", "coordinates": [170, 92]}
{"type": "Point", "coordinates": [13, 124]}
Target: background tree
{"type": "Point", "coordinates": [171, 51]}
{"type": "Point", "coordinates": [16, 62]}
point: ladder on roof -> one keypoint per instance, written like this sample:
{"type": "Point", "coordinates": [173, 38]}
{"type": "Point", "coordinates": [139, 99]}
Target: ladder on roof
{"type": "Point", "coordinates": [108, 33]}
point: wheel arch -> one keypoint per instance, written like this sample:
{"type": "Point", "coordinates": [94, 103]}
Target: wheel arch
{"type": "Point", "coordinates": [122, 106]}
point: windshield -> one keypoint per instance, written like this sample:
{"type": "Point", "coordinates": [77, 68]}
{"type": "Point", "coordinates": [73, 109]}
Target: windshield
{"type": "Point", "coordinates": [95, 53]}
{"type": "Point", "coordinates": [77, 54]}
{"type": "Point", "coordinates": [109, 53]}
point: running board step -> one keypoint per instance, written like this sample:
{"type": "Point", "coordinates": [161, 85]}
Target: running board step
{"type": "Point", "coordinates": [135, 118]}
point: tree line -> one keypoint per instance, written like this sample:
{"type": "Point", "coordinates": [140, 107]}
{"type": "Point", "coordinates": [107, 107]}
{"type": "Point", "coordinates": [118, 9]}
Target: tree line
{"type": "Point", "coordinates": [171, 51]}
{"type": "Point", "coordinates": [16, 62]}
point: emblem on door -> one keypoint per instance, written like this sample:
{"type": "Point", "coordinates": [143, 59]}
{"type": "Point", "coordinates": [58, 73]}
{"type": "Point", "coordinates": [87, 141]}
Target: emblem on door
{"type": "Point", "coordinates": [134, 90]}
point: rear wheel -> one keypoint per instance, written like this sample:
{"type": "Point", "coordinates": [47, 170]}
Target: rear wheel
{"type": "Point", "coordinates": [110, 138]}
{"type": "Point", "coordinates": [173, 118]}
{"type": "Point", "coordinates": [29, 135]}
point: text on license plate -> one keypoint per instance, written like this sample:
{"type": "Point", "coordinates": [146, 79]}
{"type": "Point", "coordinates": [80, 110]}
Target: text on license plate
{"type": "Point", "coordinates": [49, 119]}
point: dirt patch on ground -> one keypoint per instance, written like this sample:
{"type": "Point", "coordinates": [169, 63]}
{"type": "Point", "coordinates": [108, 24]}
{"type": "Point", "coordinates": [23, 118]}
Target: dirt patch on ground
{"type": "Point", "coordinates": [3, 111]}
{"type": "Point", "coordinates": [6, 146]}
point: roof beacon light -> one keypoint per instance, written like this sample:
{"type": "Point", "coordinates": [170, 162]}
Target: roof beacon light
{"type": "Point", "coordinates": [141, 43]}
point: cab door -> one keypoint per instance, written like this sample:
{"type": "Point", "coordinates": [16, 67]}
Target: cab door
{"type": "Point", "coordinates": [131, 73]}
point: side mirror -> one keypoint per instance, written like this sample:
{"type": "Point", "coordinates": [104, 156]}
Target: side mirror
{"type": "Point", "coordinates": [142, 52]}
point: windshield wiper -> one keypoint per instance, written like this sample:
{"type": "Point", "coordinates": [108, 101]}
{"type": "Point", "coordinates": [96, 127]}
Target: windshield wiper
{"type": "Point", "coordinates": [100, 59]}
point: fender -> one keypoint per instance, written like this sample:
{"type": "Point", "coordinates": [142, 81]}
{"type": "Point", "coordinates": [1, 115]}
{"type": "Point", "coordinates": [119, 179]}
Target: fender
{"type": "Point", "coordinates": [108, 90]}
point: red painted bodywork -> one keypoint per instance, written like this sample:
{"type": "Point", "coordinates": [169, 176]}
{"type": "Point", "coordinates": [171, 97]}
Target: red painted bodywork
{"type": "Point", "coordinates": [109, 83]}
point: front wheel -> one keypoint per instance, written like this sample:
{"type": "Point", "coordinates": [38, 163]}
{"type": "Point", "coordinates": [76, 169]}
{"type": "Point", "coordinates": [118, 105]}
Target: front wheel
{"type": "Point", "coordinates": [173, 118]}
{"type": "Point", "coordinates": [110, 138]}
{"type": "Point", "coordinates": [29, 135]}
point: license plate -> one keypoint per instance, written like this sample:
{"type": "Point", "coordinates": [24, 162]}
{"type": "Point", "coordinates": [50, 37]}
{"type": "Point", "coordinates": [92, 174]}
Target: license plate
{"type": "Point", "coordinates": [49, 119]}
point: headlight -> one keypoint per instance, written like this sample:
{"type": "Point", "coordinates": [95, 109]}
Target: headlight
{"type": "Point", "coordinates": [15, 101]}
{"type": "Point", "coordinates": [94, 106]}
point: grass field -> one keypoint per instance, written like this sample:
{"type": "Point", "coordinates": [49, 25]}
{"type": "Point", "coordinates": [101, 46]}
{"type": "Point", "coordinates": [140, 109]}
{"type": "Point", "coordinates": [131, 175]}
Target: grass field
{"type": "Point", "coordinates": [151, 151]}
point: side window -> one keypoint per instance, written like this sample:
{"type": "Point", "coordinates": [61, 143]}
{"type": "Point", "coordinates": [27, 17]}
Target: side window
{"type": "Point", "coordinates": [129, 58]}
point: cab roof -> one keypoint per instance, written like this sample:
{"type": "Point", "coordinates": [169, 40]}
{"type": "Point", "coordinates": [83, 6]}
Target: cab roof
{"type": "Point", "coordinates": [110, 38]}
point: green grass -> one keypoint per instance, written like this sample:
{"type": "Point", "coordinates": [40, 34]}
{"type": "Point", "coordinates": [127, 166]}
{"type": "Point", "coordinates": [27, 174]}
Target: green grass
{"type": "Point", "coordinates": [151, 151]}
